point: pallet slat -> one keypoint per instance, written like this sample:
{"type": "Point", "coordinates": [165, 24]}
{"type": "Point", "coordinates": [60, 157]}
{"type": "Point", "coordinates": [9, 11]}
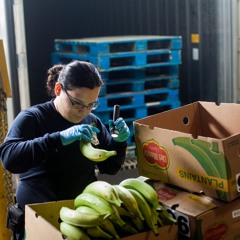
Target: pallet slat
{"type": "Point", "coordinates": [124, 60]}
{"type": "Point", "coordinates": [111, 45]}
{"type": "Point", "coordinates": [122, 86]}
{"type": "Point", "coordinates": [145, 72]}
{"type": "Point", "coordinates": [138, 98]}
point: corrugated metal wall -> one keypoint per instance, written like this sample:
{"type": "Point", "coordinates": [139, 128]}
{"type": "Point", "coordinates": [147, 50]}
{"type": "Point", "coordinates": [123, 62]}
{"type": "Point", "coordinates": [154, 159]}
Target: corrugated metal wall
{"type": "Point", "coordinates": [236, 47]}
{"type": "Point", "coordinates": [206, 70]}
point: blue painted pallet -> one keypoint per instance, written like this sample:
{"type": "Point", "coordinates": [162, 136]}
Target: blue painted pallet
{"type": "Point", "coordinates": [129, 85]}
{"type": "Point", "coordinates": [163, 106]}
{"type": "Point", "coordinates": [170, 71]}
{"type": "Point", "coordinates": [137, 110]}
{"type": "Point", "coordinates": [116, 44]}
{"type": "Point", "coordinates": [131, 113]}
{"type": "Point", "coordinates": [131, 157]}
{"type": "Point", "coordinates": [138, 98]}
{"type": "Point", "coordinates": [120, 61]}
{"type": "Point", "coordinates": [128, 112]}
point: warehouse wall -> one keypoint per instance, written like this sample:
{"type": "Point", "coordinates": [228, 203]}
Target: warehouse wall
{"type": "Point", "coordinates": [202, 62]}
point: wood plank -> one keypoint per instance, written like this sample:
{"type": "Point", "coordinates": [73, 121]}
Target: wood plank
{"type": "Point", "coordinates": [4, 72]}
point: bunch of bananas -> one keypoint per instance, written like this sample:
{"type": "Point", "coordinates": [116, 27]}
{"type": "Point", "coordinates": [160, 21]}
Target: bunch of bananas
{"type": "Point", "coordinates": [106, 211]}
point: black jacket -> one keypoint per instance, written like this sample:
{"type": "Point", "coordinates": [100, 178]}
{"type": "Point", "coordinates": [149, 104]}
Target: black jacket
{"type": "Point", "coordinates": [48, 170]}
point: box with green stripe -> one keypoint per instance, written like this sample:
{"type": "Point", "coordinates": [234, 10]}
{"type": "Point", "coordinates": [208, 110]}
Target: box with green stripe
{"type": "Point", "coordinates": [196, 147]}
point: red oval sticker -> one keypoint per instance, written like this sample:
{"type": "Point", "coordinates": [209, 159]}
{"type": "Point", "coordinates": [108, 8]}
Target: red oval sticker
{"type": "Point", "coordinates": [155, 155]}
{"type": "Point", "coordinates": [217, 231]}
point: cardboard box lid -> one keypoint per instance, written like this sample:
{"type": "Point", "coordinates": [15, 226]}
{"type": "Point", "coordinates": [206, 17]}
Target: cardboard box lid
{"type": "Point", "coordinates": [185, 202]}
{"type": "Point", "coordinates": [198, 119]}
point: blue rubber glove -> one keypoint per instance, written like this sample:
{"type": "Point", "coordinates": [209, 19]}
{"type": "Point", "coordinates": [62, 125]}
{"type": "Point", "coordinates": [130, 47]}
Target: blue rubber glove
{"type": "Point", "coordinates": [122, 128]}
{"type": "Point", "coordinates": [78, 132]}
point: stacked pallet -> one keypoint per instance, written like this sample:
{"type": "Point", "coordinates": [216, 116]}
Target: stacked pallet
{"type": "Point", "coordinates": [141, 72]}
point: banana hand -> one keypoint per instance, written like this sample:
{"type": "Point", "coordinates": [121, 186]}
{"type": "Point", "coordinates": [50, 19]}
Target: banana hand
{"type": "Point", "coordinates": [144, 188]}
{"type": "Point", "coordinates": [98, 232]}
{"type": "Point", "coordinates": [99, 204]}
{"type": "Point", "coordinates": [145, 208]}
{"type": "Point", "coordinates": [78, 219]}
{"type": "Point", "coordinates": [128, 200]}
{"type": "Point", "coordinates": [105, 190]}
{"type": "Point", "coordinates": [95, 154]}
{"type": "Point", "coordinates": [106, 224]}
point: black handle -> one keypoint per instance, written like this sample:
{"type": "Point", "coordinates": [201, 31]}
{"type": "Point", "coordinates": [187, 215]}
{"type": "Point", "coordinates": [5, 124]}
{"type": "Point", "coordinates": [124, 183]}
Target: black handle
{"type": "Point", "coordinates": [116, 112]}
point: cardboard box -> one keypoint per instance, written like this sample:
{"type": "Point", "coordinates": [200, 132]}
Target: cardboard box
{"type": "Point", "coordinates": [42, 222]}
{"type": "Point", "coordinates": [196, 147]}
{"type": "Point", "coordinates": [201, 217]}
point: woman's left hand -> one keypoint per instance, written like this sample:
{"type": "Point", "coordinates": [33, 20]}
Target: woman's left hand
{"type": "Point", "coordinates": [122, 128]}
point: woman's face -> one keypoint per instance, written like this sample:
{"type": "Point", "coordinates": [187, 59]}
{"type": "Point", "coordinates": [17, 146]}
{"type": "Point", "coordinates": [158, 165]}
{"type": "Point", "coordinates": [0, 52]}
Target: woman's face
{"type": "Point", "coordinates": [77, 103]}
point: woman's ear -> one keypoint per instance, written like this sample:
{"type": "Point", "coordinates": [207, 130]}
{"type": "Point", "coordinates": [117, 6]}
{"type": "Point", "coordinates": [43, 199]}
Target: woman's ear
{"type": "Point", "coordinates": [57, 89]}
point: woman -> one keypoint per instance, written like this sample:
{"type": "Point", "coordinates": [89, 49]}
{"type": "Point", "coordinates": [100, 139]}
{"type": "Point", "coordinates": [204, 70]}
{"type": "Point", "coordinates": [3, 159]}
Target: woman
{"type": "Point", "coordinates": [42, 144]}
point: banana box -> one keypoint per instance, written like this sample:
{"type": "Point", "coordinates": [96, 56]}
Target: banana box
{"type": "Point", "coordinates": [200, 217]}
{"type": "Point", "coordinates": [42, 222]}
{"type": "Point", "coordinates": [196, 146]}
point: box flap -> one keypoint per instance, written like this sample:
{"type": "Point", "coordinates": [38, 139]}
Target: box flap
{"type": "Point", "coordinates": [179, 119]}
{"type": "Point", "coordinates": [183, 201]}
{"type": "Point", "coordinates": [219, 121]}
{"type": "Point", "coordinates": [45, 219]}
{"type": "Point", "coordinates": [198, 119]}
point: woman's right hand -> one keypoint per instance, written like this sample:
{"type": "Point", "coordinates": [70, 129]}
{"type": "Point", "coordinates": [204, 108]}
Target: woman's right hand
{"type": "Point", "coordinates": [78, 132]}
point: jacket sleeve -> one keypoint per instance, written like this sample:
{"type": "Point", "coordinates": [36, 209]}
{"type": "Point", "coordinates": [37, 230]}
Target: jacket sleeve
{"type": "Point", "coordinates": [25, 146]}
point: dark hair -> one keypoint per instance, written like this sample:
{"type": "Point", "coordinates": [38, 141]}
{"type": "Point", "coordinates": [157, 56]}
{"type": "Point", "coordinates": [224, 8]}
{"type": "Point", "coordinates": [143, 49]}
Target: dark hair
{"type": "Point", "coordinates": [75, 74]}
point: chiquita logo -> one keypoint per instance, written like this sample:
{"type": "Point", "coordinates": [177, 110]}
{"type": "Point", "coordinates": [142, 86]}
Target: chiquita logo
{"type": "Point", "coordinates": [216, 232]}
{"type": "Point", "coordinates": [155, 155]}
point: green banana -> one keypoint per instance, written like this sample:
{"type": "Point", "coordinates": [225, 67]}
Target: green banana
{"type": "Point", "coordinates": [108, 227]}
{"type": "Point", "coordinates": [116, 217]}
{"type": "Point", "coordinates": [144, 188]}
{"type": "Point", "coordinates": [95, 154]}
{"type": "Point", "coordinates": [143, 178]}
{"type": "Point", "coordinates": [128, 200]}
{"type": "Point", "coordinates": [98, 232]}
{"type": "Point", "coordinates": [145, 208]}
{"type": "Point", "coordinates": [129, 229]}
{"type": "Point", "coordinates": [165, 218]}
{"type": "Point", "coordinates": [139, 223]}
{"type": "Point", "coordinates": [99, 204]}
{"type": "Point", "coordinates": [106, 224]}
{"type": "Point", "coordinates": [123, 212]}
{"type": "Point", "coordinates": [86, 209]}
{"type": "Point", "coordinates": [73, 232]}
{"type": "Point", "coordinates": [105, 190]}
{"type": "Point", "coordinates": [81, 219]}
